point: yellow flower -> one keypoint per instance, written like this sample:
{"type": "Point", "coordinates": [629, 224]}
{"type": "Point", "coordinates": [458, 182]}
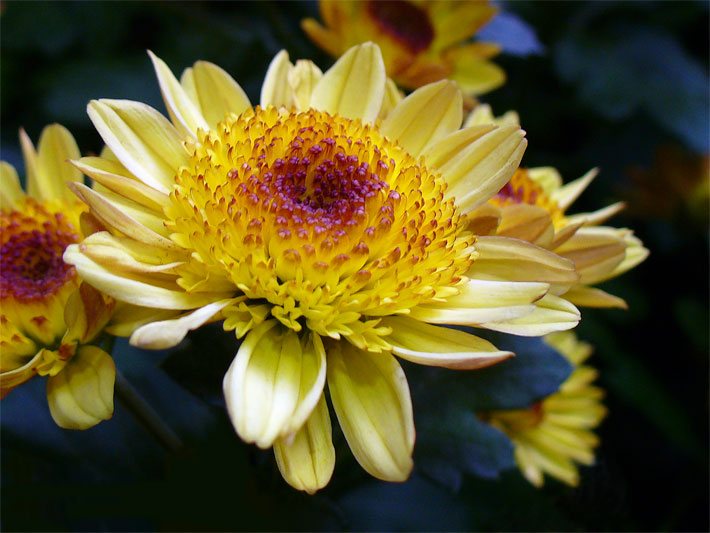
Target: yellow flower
{"type": "Point", "coordinates": [48, 319]}
{"type": "Point", "coordinates": [328, 237]}
{"type": "Point", "coordinates": [555, 433]}
{"type": "Point", "coordinates": [421, 41]}
{"type": "Point", "coordinates": [533, 205]}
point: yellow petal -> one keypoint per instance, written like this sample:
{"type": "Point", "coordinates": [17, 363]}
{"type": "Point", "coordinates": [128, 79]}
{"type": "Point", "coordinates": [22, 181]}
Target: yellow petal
{"type": "Point", "coordinates": [81, 395]}
{"type": "Point", "coordinates": [635, 254]}
{"type": "Point", "coordinates": [144, 141]}
{"type": "Point", "coordinates": [127, 318]}
{"type": "Point", "coordinates": [276, 90]}
{"type": "Point", "coordinates": [9, 379]}
{"type": "Point", "coordinates": [355, 86]}
{"type": "Point", "coordinates": [599, 216]}
{"type": "Point", "coordinates": [436, 346]}
{"type": "Point", "coordinates": [217, 93]}
{"type": "Point", "coordinates": [458, 21]}
{"type": "Point", "coordinates": [307, 459]}
{"type": "Point", "coordinates": [596, 252]}
{"type": "Point", "coordinates": [477, 162]}
{"type": "Point", "coordinates": [425, 116]}
{"type": "Point", "coordinates": [592, 297]}
{"type": "Point", "coordinates": [565, 196]}
{"type": "Point", "coordinates": [129, 256]}
{"type": "Point", "coordinates": [551, 314]}
{"type": "Point", "coordinates": [371, 399]}
{"type": "Point", "coordinates": [303, 78]}
{"type": "Point", "coordinates": [86, 313]}
{"type": "Point", "coordinates": [168, 333]}
{"type": "Point", "coordinates": [546, 177]}
{"type": "Point", "coordinates": [474, 75]}
{"type": "Point", "coordinates": [29, 154]}
{"type": "Point", "coordinates": [483, 114]}
{"type": "Point", "coordinates": [184, 114]}
{"type": "Point", "coordinates": [274, 383]}
{"type": "Point", "coordinates": [11, 193]}
{"type": "Point", "coordinates": [56, 147]}
{"type": "Point", "coordinates": [529, 223]}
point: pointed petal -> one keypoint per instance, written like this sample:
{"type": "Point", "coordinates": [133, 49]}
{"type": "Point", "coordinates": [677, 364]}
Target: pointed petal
{"type": "Point", "coordinates": [81, 395]}
{"type": "Point", "coordinates": [142, 140]}
{"type": "Point", "coordinates": [551, 314]}
{"type": "Point", "coordinates": [86, 313]}
{"type": "Point", "coordinates": [473, 74]}
{"type": "Point", "coordinates": [529, 223]}
{"type": "Point", "coordinates": [592, 297]}
{"type": "Point", "coordinates": [217, 93]}
{"type": "Point", "coordinates": [184, 114]}
{"type": "Point", "coordinates": [56, 147]}
{"type": "Point", "coordinates": [307, 459]}
{"type": "Point", "coordinates": [599, 216]}
{"type": "Point", "coordinates": [276, 90]}
{"type": "Point", "coordinates": [477, 162]}
{"type": "Point", "coordinates": [546, 177]}
{"type": "Point", "coordinates": [425, 116]}
{"type": "Point", "coordinates": [436, 346]}
{"type": "Point", "coordinates": [566, 195]}
{"type": "Point", "coordinates": [303, 78]}
{"type": "Point", "coordinates": [371, 399]}
{"type": "Point", "coordinates": [29, 154]}
{"type": "Point", "coordinates": [11, 193]}
{"type": "Point", "coordinates": [274, 383]}
{"type": "Point", "coordinates": [168, 333]}
{"type": "Point", "coordinates": [596, 252]}
{"type": "Point", "coordinates": [354, 87]}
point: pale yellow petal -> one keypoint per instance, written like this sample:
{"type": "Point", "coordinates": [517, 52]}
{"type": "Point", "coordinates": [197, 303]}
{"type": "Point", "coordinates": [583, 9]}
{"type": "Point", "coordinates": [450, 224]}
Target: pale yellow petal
{"type": "Point", "coordinates": [81, 395]}
{"type": "Point", "coordinates": [597, 217]}
{"type": "Point", "coordinates": [306, 460]}
{"type": "Point", "coordinates": [217, 93]}
{"type": "Point", "coordinates": [436, 346]}
{"type": "Point", "coordinates": [144, 141]}
{"type": "Point", "coordinates": [276, 90]}
{"type": "Point", "coordinates": [55, 148]}
{"type": "Point", "coordinates": [551, 313]}
{"type": "Point", "coordinates": [425, 116]}
{"type": "Point", "coordinates": [546, 177]}
{"type": "Point", "coordinates": [184, 114]}
{"type": "Point", "coordinates": [273, 384]}
{"type": "Point", "coordinates": [11, 193]}
{"type": "Point", "coordinates": [567, 194]}
{"type": "Point", "coordinates": [29, 154]}
{"type": "Point", "coordinates": [596, 252]}
{"type": "Point", "coordinates": [371, 399]}
{"type": "Point", "coordinates": [529, 223]}
{"type": "Point", "coordinates": [354, 87]}
{"type": "Point", "coordinates": [483, 114]}
{"type": "Point", "coordinates": [593, 297]}
{"type": "Point", "coordinates": [303, 78]}
{"type": "Point", "coordinates": [127, 318]}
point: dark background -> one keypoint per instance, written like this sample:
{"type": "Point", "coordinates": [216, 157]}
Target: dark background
{"type": "Point", "coordinates": [622, 86]}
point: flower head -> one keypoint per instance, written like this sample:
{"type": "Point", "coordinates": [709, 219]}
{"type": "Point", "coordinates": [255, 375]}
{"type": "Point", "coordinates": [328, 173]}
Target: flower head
{"type": "Point", "coordinates": [421, 42]}
{"type": "Point", "coordinates": [327, 226]}
{"type": "Point", "coordinates": [48, 319]}
{"type": "Point", "coordinates": [533, 206]}
{"type": "Point", "coordinates": [554, 434]}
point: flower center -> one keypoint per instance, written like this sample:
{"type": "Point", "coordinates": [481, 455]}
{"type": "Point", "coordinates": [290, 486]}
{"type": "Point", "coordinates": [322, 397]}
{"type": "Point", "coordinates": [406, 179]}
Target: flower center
{"type": "Point", "coordinates": [405, 22]}
{"type": "Point", "coordinates": [32, 244]}
{"type": "Point", "coordinates": [522, 189]}
{"type": "Point", "coordinates": [321, 216]}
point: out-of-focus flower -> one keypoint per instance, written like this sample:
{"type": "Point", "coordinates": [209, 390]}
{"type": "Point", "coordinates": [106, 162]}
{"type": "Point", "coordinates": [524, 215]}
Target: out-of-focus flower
{"type": "Point", "coordinates": [329, 240]}
{"type": "Point", "coordinates": [48, 318]}
{"type": "Point", "coordinates": [533, 206]}
{"type": "Point", "coordinates": [554, 434]}
{"type": "Point", "coordinates": [421, 41]}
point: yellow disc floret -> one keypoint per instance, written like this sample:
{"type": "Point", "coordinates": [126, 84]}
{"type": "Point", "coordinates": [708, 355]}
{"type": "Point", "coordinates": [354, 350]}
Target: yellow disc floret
{"type": "Point", "coordinates": [317, 218]}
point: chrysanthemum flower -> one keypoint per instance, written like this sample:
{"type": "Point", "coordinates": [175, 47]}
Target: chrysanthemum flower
{"type": "Point", "coordinates": [556, 433]}
{"type": "Point", "coordinates": [48, 319]}
{"type": "Point", "coordinates": [421, 42]}
{"type": "Point", "coordinates": [533, 206]}
{"type": "Point", "coordinates": [329, 238]}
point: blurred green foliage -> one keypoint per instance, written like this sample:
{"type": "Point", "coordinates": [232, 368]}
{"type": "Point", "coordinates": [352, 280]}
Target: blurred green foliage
{"type": "Point", "coordinates": [609, 83]}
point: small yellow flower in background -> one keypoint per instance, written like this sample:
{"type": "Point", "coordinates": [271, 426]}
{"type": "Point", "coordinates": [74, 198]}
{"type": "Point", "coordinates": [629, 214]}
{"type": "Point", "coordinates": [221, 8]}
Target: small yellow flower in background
{"type": "Point", "coordinates": [556, 433]}
{"type": "Point", "coordinates": [533, 205]}
{"type": "Point", "coordinates": [48, 318]}
{"type": "Point", "coordinates": [328, 227]}
{"type": "Point", "coordinates": [421, 41]}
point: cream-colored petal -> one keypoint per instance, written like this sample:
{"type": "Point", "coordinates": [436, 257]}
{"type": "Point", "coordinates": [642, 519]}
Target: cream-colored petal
{"type": "Point", "coordinates": [168, 333]}
{"type": "Point", "coordinates": [592, 297]}
{"type": "Point", "coordinates": [144, 141]}
{"type": "Point", "coordinates": [114, 217]}
{"type": "Point", "coordinates": [425, 116]}
{"type": "Point", "coordinates": [506, 259]}
{"type": "Point", "coordinates": [483, 301]}
{"type": "Point", "coordinates": [551, 313]}
{"type": "Point", "coordinates": [276, 90]}
{"type": "Point", "coordinates": [217, 93]}
{"type": "Point", "coordinates": [596, 252]}
{"type": "Point", "coordinates": [303, 78]}
{"type": "Point", "coordinates": [112, 175]}
{"type": "Point", "coordinates": [355, 86]}
{"type": "Point", "coordinates": [436, 346]}
{"type": "Point", "coordinates": [636, 254]}
{"type": "Point", "coordinates": [11, 193]}
{"type": "Point", "coordinates": [477, 162]}
{"type": "Point", "coordinates": [307, 459]}
{"type": "Point", "coordinates": [393, 96]}
{"type": "Point", "coordinates": [127, 318]}
{"type": "Point", "coordinates": [483, 114]}
{"type": "Point", "coordinates": [274, 383]}
{"type": "Point", "coordinates": [55, 148]}
{"type": "Point", "coordinates": [133, 290]}
{"type": "Point", "coordinates": [546, 177]}
{"type": "Point", "coordinates": [86, 313]}
{"type": "Point", "coordinates": [29, 154]}
{"type": "Point", "coordinates": [371, 399]}
{"type": "Point", "coordinates": [529, 223]}
{"type": "Point", "coordinates": [597, 217]}
{"type": "Point", "coordinates": [566, 195]}
{"type": "Point", "coordinates": [81, 395]}
{"type": "Point", "coordinates": [183, 112]}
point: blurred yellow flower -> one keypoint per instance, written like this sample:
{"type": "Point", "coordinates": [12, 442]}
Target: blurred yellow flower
{"type": "Point", "coordinates": [421, 41]}
{"type": "Point", "coordinates": [327, 227]}
{"type": "Point", "coordinates": [48, 319]}
{"type": "Point", "coordinates": [533, 206]}
{"type": "Point", "coordinates": [553, 435]}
